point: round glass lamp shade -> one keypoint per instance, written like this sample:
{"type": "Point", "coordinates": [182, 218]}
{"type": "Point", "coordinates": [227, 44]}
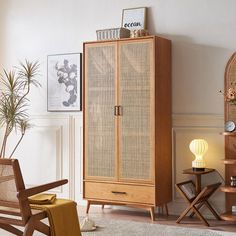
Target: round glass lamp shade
{"type": "Point", "coordinates": [198, 147]}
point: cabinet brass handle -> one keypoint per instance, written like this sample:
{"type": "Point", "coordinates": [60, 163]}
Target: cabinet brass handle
{"type": "Point", "coordinates": [116, 110]}
{"type": "Point", "coordinates": [120, 110]}
{"type": "Point", "coordinates": [116, 192]}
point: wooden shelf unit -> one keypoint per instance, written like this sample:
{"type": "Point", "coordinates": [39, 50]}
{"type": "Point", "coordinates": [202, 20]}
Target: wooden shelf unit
{"type": "Point", "coordinates": [229, 216]}
{"type": "Point", "coordinates": [229, 161]}
{"type": "Point", "coordinates": [228, 189]}
{"type": "Point", "coordinates": [230, 144]}
{"type": "Point", "coordinates": [228, 133]}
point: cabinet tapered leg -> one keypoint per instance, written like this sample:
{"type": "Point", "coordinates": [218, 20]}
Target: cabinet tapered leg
{"type": "Point", "coordinates": [151, 210]}
{"type": "Point", "coordinates": [88, 206]}
{"type": "Point", "coordinates": [166, 208]}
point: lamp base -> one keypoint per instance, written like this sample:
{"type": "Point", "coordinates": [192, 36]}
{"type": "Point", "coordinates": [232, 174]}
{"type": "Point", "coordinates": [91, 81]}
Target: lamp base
{"type": "Point", "coordinates": [198, 169]}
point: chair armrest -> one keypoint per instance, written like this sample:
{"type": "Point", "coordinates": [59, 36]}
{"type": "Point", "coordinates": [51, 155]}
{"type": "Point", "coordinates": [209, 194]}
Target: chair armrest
{"type": "Point", "coordinates": [23, 194]}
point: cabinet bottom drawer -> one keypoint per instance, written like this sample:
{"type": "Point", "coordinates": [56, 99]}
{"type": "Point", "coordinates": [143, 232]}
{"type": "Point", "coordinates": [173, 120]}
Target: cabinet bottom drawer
{"type": "Point", "coordinates": [120, 192]}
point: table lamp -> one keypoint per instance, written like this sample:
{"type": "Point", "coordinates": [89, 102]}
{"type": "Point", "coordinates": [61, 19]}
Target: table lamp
{"type": "Point", "coordinates": [198, 147]}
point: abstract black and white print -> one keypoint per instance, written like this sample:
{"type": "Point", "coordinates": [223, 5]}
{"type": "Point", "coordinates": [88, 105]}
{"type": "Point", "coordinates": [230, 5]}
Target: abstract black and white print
{"type": "Point", "coordinates": [64, 82]}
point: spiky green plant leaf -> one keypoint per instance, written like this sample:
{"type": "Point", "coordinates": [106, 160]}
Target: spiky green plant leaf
{"type": "Point", "coordinates": [15, 86]}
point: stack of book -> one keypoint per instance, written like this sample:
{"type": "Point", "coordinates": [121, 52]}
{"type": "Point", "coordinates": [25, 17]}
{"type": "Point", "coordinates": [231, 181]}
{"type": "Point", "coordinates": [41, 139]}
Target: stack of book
{"type": "Point", "coordinates": [234, 210]}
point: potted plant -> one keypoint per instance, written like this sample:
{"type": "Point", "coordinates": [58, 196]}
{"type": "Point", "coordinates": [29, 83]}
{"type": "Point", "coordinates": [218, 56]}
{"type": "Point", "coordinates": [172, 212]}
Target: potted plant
{"type": "Point", "coordinates": [15, 86]}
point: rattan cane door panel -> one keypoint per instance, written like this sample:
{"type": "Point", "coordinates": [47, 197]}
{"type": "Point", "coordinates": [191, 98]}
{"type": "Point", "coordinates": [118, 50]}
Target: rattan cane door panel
{"type": "Point", "coordinates": [136, 123]}
{"type": "Point", "coordinates": [100, 97]}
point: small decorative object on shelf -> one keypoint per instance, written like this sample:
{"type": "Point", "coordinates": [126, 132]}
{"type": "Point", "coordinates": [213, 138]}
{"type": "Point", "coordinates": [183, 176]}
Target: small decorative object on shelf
{"type": "Point", "coordinates": [198, 147]}
{"type": "Point", "coordinates": [138, 33]}
{"type": "Point", "coordinates": [134, 19]}
{"type": "Point", "coordinates": [230, 94]}
{"type": "Point", "coordinates": [233, 181]}
{"type": "Point", "coordinates": [234, 210]}
{"type": "Point", "coordinates": [230, 126]}
{"type": "Point", "coordinates": [114, 33]}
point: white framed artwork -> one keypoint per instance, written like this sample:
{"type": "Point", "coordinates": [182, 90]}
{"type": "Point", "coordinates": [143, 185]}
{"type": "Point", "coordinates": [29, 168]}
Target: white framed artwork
{"type": "Point", "coordinates": [64, 82]}
{"type": "Point", "coordinates": [134, 18]}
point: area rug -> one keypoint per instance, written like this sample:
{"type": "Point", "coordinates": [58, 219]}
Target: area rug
{"type": "Point", "coordinates": [113, 227]}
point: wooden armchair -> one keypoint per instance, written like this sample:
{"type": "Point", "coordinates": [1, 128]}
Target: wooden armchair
{"type": "Point", "coordinates": [14, 205]}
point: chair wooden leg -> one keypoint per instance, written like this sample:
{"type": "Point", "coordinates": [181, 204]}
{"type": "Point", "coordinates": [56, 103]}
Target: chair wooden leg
{"type": "Point", "coordinates": [11, 229]}
{"type": "Point", "coordinates": [152, 213]}
{"type": "Point", "coordinates": [103, 206]}
{"type": "Point", "coordinates": [29, 229]}
{"type": "Point", "coordinates": [43, 228]}
{"type": "Point", "coordinates": [200, 216]}
{"type": "Point", "coordinates": [212, 210]}
{"type": "Point", "coordinates": [88, 206]}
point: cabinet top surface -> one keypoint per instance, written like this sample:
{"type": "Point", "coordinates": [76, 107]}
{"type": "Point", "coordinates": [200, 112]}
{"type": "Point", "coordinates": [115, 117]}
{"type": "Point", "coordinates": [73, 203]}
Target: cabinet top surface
{"type": "Point", "coordinates": [126, 39]}
{"type": "Point", "coordinates": [192, 172]}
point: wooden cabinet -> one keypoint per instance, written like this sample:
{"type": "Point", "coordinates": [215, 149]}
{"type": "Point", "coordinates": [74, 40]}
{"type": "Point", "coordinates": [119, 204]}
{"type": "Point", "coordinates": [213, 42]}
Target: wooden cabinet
{"type": "Point", "coordinates": [230, 144]}
{"type": "Point", "coordinates": [127, 122]}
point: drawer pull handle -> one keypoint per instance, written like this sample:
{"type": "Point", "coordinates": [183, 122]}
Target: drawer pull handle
{"type": "Point", "coordinates": [115, 192]}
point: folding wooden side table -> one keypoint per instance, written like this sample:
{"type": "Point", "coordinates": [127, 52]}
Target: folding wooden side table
{"type": "Point", "coordinates": [196, 196]}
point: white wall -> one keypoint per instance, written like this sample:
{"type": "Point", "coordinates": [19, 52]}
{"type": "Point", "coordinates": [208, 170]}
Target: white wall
{"type": "Point", "coordinates": [203, 36]}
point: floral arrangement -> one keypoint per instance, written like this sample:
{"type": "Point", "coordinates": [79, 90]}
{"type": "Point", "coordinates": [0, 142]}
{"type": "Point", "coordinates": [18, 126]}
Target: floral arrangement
{"type": "Point", "coordinates": [230, 95]}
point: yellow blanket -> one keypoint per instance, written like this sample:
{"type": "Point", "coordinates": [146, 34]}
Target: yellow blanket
{"type": "Point", "coordinates": [41, 199]}
{"type": "Point", "coordinates": [63, 217]}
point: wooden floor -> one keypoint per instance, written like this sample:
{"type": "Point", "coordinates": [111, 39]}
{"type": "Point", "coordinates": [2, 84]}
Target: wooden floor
{"type": "Point", "coordinates": [139, 216]}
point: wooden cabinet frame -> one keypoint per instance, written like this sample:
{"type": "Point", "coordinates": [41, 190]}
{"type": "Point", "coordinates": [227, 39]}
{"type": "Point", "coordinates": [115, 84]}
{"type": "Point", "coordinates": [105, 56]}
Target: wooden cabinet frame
{"type": "Point", "coordinates": [230, 141]}
{"type": "Point", "coordinates": [160, 181]}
